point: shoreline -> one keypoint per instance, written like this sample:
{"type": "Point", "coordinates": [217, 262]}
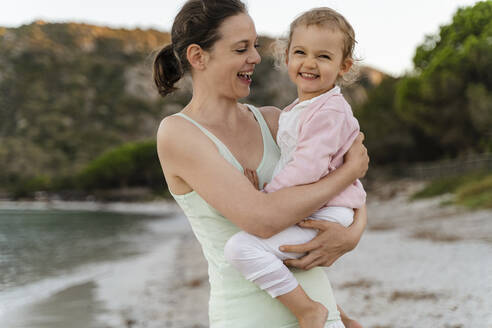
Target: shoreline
{"type": "Point", "coordinates": [100, 294]}
{"type": "Point", "coordinates": [155, 208]}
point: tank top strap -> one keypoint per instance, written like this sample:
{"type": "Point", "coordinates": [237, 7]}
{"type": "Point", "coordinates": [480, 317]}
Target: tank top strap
{"type": "Point", "coordinates": [223, 150]}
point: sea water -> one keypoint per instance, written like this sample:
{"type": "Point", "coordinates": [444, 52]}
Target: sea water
{"type": "Point", "coordinates": [78, 264]}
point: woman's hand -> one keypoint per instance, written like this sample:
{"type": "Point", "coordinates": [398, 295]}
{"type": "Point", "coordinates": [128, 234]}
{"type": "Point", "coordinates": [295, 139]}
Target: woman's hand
{"type": "Point", "coordinates": [357, 156]}
{"type": "Point", "coordinates": [332, 241]}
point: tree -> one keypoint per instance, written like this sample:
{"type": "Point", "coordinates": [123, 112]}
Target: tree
{"type": "Point", "coordinates": [448, 96]}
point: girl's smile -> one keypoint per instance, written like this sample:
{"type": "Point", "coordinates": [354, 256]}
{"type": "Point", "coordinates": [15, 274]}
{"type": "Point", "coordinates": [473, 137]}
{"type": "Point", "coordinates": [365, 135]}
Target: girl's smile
{"type": "Point", "coordinates": [308, 76]}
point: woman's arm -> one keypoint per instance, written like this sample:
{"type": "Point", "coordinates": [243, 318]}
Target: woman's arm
{"type": "Point", "coordinates": [196, 160]}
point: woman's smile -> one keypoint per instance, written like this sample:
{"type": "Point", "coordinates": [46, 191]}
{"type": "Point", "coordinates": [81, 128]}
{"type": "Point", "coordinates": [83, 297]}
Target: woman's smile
{"type": "Point", "coordinates": [245, 77]}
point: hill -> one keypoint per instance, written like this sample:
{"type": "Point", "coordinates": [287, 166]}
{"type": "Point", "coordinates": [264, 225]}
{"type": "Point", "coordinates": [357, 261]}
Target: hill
{"type": "Point", "coordinates": [69, 92]}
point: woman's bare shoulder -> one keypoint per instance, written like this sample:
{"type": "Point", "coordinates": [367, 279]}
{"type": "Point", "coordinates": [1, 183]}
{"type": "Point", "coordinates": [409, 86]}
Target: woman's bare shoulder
{"type": "Point", "coordinates": [169, 124]}
{"type": "Point", "coordinates": [170, 127]}
{"type": "Point", "coordinates": [271, 115]}
{"type": "Point", "coordinates": [178, 139]}
{"type": "Point", "coordinates": [270, 112]}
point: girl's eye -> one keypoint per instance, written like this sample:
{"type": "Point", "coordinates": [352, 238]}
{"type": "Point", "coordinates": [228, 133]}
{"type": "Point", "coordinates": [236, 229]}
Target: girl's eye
{"type": "Point", "coordinates": [299, 52]}
{"type": "Point", "coordinates": [325, 57]}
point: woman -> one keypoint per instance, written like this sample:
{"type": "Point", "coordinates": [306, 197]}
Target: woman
{"type": "Point", "coordinates": [203, 152]}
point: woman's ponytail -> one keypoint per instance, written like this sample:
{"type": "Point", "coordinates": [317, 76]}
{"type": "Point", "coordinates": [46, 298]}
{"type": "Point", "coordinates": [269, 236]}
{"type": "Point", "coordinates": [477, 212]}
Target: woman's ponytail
{"type": "Point", "coordinates": [167, 70]}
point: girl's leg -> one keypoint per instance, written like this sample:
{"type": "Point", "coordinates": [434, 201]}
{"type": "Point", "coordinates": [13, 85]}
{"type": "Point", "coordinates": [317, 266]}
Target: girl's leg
{"type": "Point", "coordinates": [260, 261]}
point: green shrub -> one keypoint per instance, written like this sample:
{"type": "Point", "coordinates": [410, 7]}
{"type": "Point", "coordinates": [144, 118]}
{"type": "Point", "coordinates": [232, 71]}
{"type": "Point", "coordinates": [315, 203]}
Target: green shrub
{"type": "Point", "coordinates": [27, 186]}
{"type": "Point", "coordinates": [131, 165]}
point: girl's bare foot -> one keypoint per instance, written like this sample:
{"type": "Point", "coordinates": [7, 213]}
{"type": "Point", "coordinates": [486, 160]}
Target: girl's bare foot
{"type": "Point", "coordinates": [352, 324]}
{"type": "Point", "coordinates": [314, 318]}
{"type": "Point", "coordinates": [348, 323]}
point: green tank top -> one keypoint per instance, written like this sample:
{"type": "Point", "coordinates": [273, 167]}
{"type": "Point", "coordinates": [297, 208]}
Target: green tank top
{"type": "Point", "coordinates": [234, 301]}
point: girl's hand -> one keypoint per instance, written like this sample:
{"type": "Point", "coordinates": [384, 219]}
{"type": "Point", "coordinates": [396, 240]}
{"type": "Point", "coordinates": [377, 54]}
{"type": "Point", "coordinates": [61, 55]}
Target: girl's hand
{"type": "Point", "coordinates": [252, 177]}
{"type": "Point", "coordinates": [357, 156]}
{"type": "Point", "coordinates": [333, 240]}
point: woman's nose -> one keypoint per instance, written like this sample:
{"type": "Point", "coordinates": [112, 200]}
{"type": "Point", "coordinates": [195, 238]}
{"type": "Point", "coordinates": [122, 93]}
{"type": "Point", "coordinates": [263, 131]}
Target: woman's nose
{"type": "Point", "coordinates": [255, 57]}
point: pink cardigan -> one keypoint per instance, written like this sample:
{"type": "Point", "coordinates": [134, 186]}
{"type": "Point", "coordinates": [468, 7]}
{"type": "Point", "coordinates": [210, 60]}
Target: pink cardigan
{"type": "Point", "coordinates": [326, 130]}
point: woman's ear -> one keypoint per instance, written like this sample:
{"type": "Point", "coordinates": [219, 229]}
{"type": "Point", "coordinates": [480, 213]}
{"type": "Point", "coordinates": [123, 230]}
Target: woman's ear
{"type": "Point", "coordinates": [345, 66]}
{"type": "Point", "coordinates": [286, 57]}
{"type": "Point", "coordinates": [196, 56]}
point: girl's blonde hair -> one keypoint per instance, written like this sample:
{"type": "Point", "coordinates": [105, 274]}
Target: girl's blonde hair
{"type": "Point", "coordinates": [325, 17]}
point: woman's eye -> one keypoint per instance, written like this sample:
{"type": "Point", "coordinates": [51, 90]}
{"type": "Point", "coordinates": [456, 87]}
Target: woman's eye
{"type": "Point", "coordinates": [257, 45]}
{"type": "Point", "coordinates": [241, 50]}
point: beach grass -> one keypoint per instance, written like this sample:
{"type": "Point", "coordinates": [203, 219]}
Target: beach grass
{"type": "Point", "coordinates": [477, 194]}
{"type": "Point", "coordinates": [473, 190]}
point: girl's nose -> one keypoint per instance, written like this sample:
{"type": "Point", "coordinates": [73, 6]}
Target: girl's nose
{"type": "Point", "coordinates": [309, 62]}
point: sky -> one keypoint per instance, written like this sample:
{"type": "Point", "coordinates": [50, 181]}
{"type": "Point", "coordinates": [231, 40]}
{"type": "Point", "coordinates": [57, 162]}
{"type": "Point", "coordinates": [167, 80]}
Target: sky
{"type": "Point", "coordinates": [387, 31]}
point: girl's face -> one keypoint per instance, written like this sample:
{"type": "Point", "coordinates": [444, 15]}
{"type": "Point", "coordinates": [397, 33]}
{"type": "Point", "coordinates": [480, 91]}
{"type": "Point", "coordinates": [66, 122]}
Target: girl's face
{"type": "Point", "coordinates": [233, 57]}
{"type": "Point", "coordinates": [315, 59]}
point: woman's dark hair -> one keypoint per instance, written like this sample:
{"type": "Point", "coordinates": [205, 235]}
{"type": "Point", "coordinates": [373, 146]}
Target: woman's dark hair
{"type": "Point", "coordinates": [197, 22]}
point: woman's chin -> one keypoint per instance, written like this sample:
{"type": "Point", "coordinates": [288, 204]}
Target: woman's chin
{"type": "Point", "coordinates": [243, 93]}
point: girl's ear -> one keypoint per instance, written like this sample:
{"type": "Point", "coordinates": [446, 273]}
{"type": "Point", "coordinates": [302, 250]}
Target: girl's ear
{"type": "Point", "coordinates": [287, 57]}
{"type": "Point", "coordinates": [196, 56]}
{"type": "Point", "coordinates": [345, 66]}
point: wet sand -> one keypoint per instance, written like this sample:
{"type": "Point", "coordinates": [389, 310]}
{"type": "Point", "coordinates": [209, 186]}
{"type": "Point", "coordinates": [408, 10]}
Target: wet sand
{"type": "Point", "coordinates": [78, 305]}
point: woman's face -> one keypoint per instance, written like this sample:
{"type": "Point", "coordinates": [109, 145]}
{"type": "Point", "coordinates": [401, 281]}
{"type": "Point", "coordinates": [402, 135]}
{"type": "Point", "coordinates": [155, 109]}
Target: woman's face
{"type": "Point", "coordinates": [233, 57]}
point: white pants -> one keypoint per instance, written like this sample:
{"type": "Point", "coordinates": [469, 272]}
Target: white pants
{"type": "Point", "coordinates": [260, 261]}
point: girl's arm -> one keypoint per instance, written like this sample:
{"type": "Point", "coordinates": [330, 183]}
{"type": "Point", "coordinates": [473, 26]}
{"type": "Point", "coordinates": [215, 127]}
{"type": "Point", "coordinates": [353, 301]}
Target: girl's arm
{"type": "Point", "coordinates": [196, 160]}
{"type": "Point", "coordinates": [320, 137]}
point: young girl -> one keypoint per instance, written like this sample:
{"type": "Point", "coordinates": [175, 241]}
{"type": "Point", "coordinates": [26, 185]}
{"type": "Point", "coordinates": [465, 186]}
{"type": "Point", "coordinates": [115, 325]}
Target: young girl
{"type": "Point", "coordinates": [314, 133]}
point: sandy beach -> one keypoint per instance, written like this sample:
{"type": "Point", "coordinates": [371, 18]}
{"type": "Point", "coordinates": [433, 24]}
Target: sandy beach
{"type": "Point", "coordinates": [419, 264]}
